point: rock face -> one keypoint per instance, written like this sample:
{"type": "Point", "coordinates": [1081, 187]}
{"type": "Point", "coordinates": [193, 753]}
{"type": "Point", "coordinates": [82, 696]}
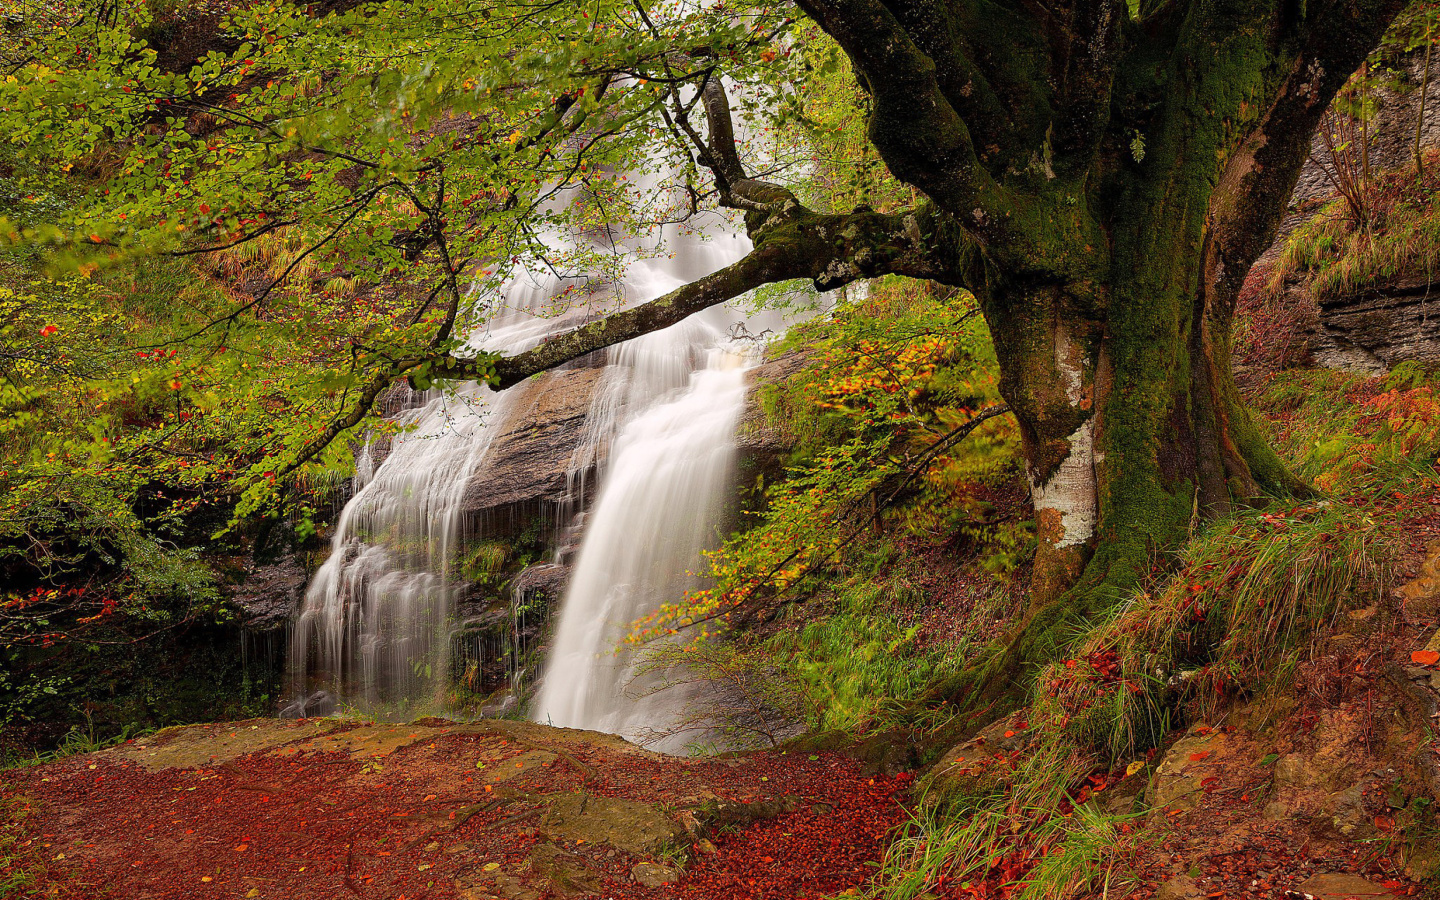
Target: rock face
{"type": "Point", "coordinates": [762, 446]}
{"type": "Point", "coordinates": [529, 464]}
{"type": "Point", "coordinates": [500, 635]}
{"type": "Point", "coordinates": [538, 471]}
{"type": "Point", "coordinates": [1180, 777]}
{"type": "Point", "coordinates": [1393, 131]}
{"type": "Point", "coordinates": [1375, 330]}
{"type": "Point", "coordinates": [533, 463]}
{"type": "Point", "coordinates": [270, 593]}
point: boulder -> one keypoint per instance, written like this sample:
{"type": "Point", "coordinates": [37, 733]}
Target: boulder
{"type": "Point", "coordinates": [983, 759]}
{"type": "Point", "coordinates": [654, 875]}
{"type": "Point", "coordinates": [640, 829]}
{"type": "Point", "coordinates": [1179, 780]}
{"type": "Point", "coordinates": [542, 583]}
{"type": "Point", "coordinates": [1422, 593]}
{"type": "Point", "coordinates": [1342, 887]}
{"type": "Point", "coordinates": [1181, 887]}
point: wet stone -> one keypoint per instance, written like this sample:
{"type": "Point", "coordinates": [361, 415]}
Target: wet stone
{"type": "Point", "coordinates": [654, 875]}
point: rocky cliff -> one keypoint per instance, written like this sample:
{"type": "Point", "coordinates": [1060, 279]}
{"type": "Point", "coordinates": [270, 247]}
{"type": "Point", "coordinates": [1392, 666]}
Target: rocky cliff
{"type": "Point", "coordinates": [1371, 328]}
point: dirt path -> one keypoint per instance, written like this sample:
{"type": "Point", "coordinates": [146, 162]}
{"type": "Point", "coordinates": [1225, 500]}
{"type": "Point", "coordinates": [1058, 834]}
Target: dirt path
{"type": "Point", "coordinates": [275, 810]}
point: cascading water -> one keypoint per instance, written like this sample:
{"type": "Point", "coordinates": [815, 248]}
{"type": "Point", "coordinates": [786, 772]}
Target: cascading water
{"type": "Point", "coordinates": [657, 510]}
{"type": "Point", "coordinates": [373, 628]}
{"type": "Point", "coordinates": [668, 411]}
{"type": "Point", "coordinates": [374, 625]}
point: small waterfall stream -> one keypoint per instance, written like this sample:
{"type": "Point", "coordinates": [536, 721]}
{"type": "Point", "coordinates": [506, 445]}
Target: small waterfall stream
{"type": "Point", "coordinates": [374, 626]}
{"type": "Point", "coordinates": [657, 510]}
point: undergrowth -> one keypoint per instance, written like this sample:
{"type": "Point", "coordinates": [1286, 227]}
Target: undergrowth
{"type": "Point", "coordinates": [17, 875]}
{"type": "Point", "coordinates": [859, 663]}
{"type": "Point", "coordinates": [75, 742]}
{"type": "Point", "coordinates": [26, 865]}
{"type": "Point", "coordinates": [1336, 255]}
{"type": "Point", "coordinates": [1232, 617]}
{"type": "Point", "coordinates": [899, 445]}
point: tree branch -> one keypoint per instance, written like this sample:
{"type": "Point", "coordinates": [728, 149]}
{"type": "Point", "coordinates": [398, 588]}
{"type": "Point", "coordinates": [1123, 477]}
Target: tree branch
{"type": "Point", "coordinates": [914, 126]}
{"type": "Point", "coordinates": [831, 251]}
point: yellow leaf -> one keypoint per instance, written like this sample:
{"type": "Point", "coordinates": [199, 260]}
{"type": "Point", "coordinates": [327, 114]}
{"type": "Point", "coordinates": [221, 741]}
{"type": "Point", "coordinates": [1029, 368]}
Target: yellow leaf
{"type": "Point", "coordinates": [1134, 767]}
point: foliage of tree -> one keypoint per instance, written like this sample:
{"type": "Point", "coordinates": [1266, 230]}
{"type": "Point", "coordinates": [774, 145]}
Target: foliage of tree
{"type": "Point", "coordinates": [1099, 174]}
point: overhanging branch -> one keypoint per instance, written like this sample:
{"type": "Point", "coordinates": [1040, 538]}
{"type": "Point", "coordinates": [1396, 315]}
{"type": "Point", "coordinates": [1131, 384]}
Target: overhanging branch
{"type": "Point", "coordinates": [830, 251]}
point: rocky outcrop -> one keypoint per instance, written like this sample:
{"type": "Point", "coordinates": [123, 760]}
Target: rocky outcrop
{"type": "Point", "coordinates": [528, 466]}
{"type": "Point", "coordinates": [1393, 129]}
{"type": "Point", "coordinates": [500, 635]}
{"type": "Point", "coordinates": [532, 463]}
{"type": "Point", "coordinates": [270, 593]}
{"type": "Point", "coordinates": [762, 446]}
{"type": "Point", "coordinates": [1375, 330]}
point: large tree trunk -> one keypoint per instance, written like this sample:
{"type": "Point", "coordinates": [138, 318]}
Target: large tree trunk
{"type": "Point", "coordinates": [1132, 428]}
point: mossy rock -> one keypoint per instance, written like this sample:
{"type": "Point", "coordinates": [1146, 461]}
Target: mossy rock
{"type": "Point", "coordinates": [640, 829]}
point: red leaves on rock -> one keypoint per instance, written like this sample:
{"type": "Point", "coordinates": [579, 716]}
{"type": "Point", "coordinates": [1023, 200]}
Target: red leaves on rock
{"type": "Point", "coordinates": [309, 824]}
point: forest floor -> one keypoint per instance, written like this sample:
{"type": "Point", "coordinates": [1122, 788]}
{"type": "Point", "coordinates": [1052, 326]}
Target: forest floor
{"type": "Point", "coordinates": [332, 809]}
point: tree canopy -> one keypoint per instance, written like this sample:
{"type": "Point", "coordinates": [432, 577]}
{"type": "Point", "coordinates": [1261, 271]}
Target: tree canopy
{"type": "Point", "coordinates": [1100, 174]}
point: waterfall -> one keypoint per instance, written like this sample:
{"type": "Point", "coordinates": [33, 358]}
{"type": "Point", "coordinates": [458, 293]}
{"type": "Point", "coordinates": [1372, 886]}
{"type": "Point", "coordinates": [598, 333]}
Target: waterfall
{"type": "Point", "coordinates": [658, 508]}
{"type": "Point", "coordinates": [373, 629]}
{"type": "Point", "coordinates": [659, 434]}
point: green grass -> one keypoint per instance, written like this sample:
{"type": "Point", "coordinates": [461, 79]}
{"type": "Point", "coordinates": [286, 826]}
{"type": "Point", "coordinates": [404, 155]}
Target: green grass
{"type": "Point", "coordinates": [1230, 618]}
{"type": "Point", "coordinates": [862, 662]}
{"type": "Point", "coordinates": [1333, 257]}
{"type": "Point", "coordinates": [75, 742]}
{"type": "Point", "coordinates": [20, 866]}
{"type": "Point", "coordinates": [1252, 592]}
{"type": "Point", "coordinates": [1014, 825]}
{"type": "Point", "coordinates": [858, 664]}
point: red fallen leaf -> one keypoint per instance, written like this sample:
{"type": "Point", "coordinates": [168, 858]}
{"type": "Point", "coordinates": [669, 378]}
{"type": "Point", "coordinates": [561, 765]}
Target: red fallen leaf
{"type": "Point", "coordinates": [1009, 734]}
{"type": "Point", "coordinates": [1425, 657]}
{"type": "Point", "coordinates": [1201, 755]}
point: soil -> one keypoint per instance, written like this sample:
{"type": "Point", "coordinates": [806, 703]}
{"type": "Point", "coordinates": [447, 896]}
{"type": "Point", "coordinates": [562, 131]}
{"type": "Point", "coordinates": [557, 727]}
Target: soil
{"type": "Point", "coordinates": [327, 809]}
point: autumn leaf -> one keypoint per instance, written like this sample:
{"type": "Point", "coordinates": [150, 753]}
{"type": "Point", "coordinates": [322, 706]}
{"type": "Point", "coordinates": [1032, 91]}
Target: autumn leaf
{"type": "Point", "coordinates": [1425, 657]}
